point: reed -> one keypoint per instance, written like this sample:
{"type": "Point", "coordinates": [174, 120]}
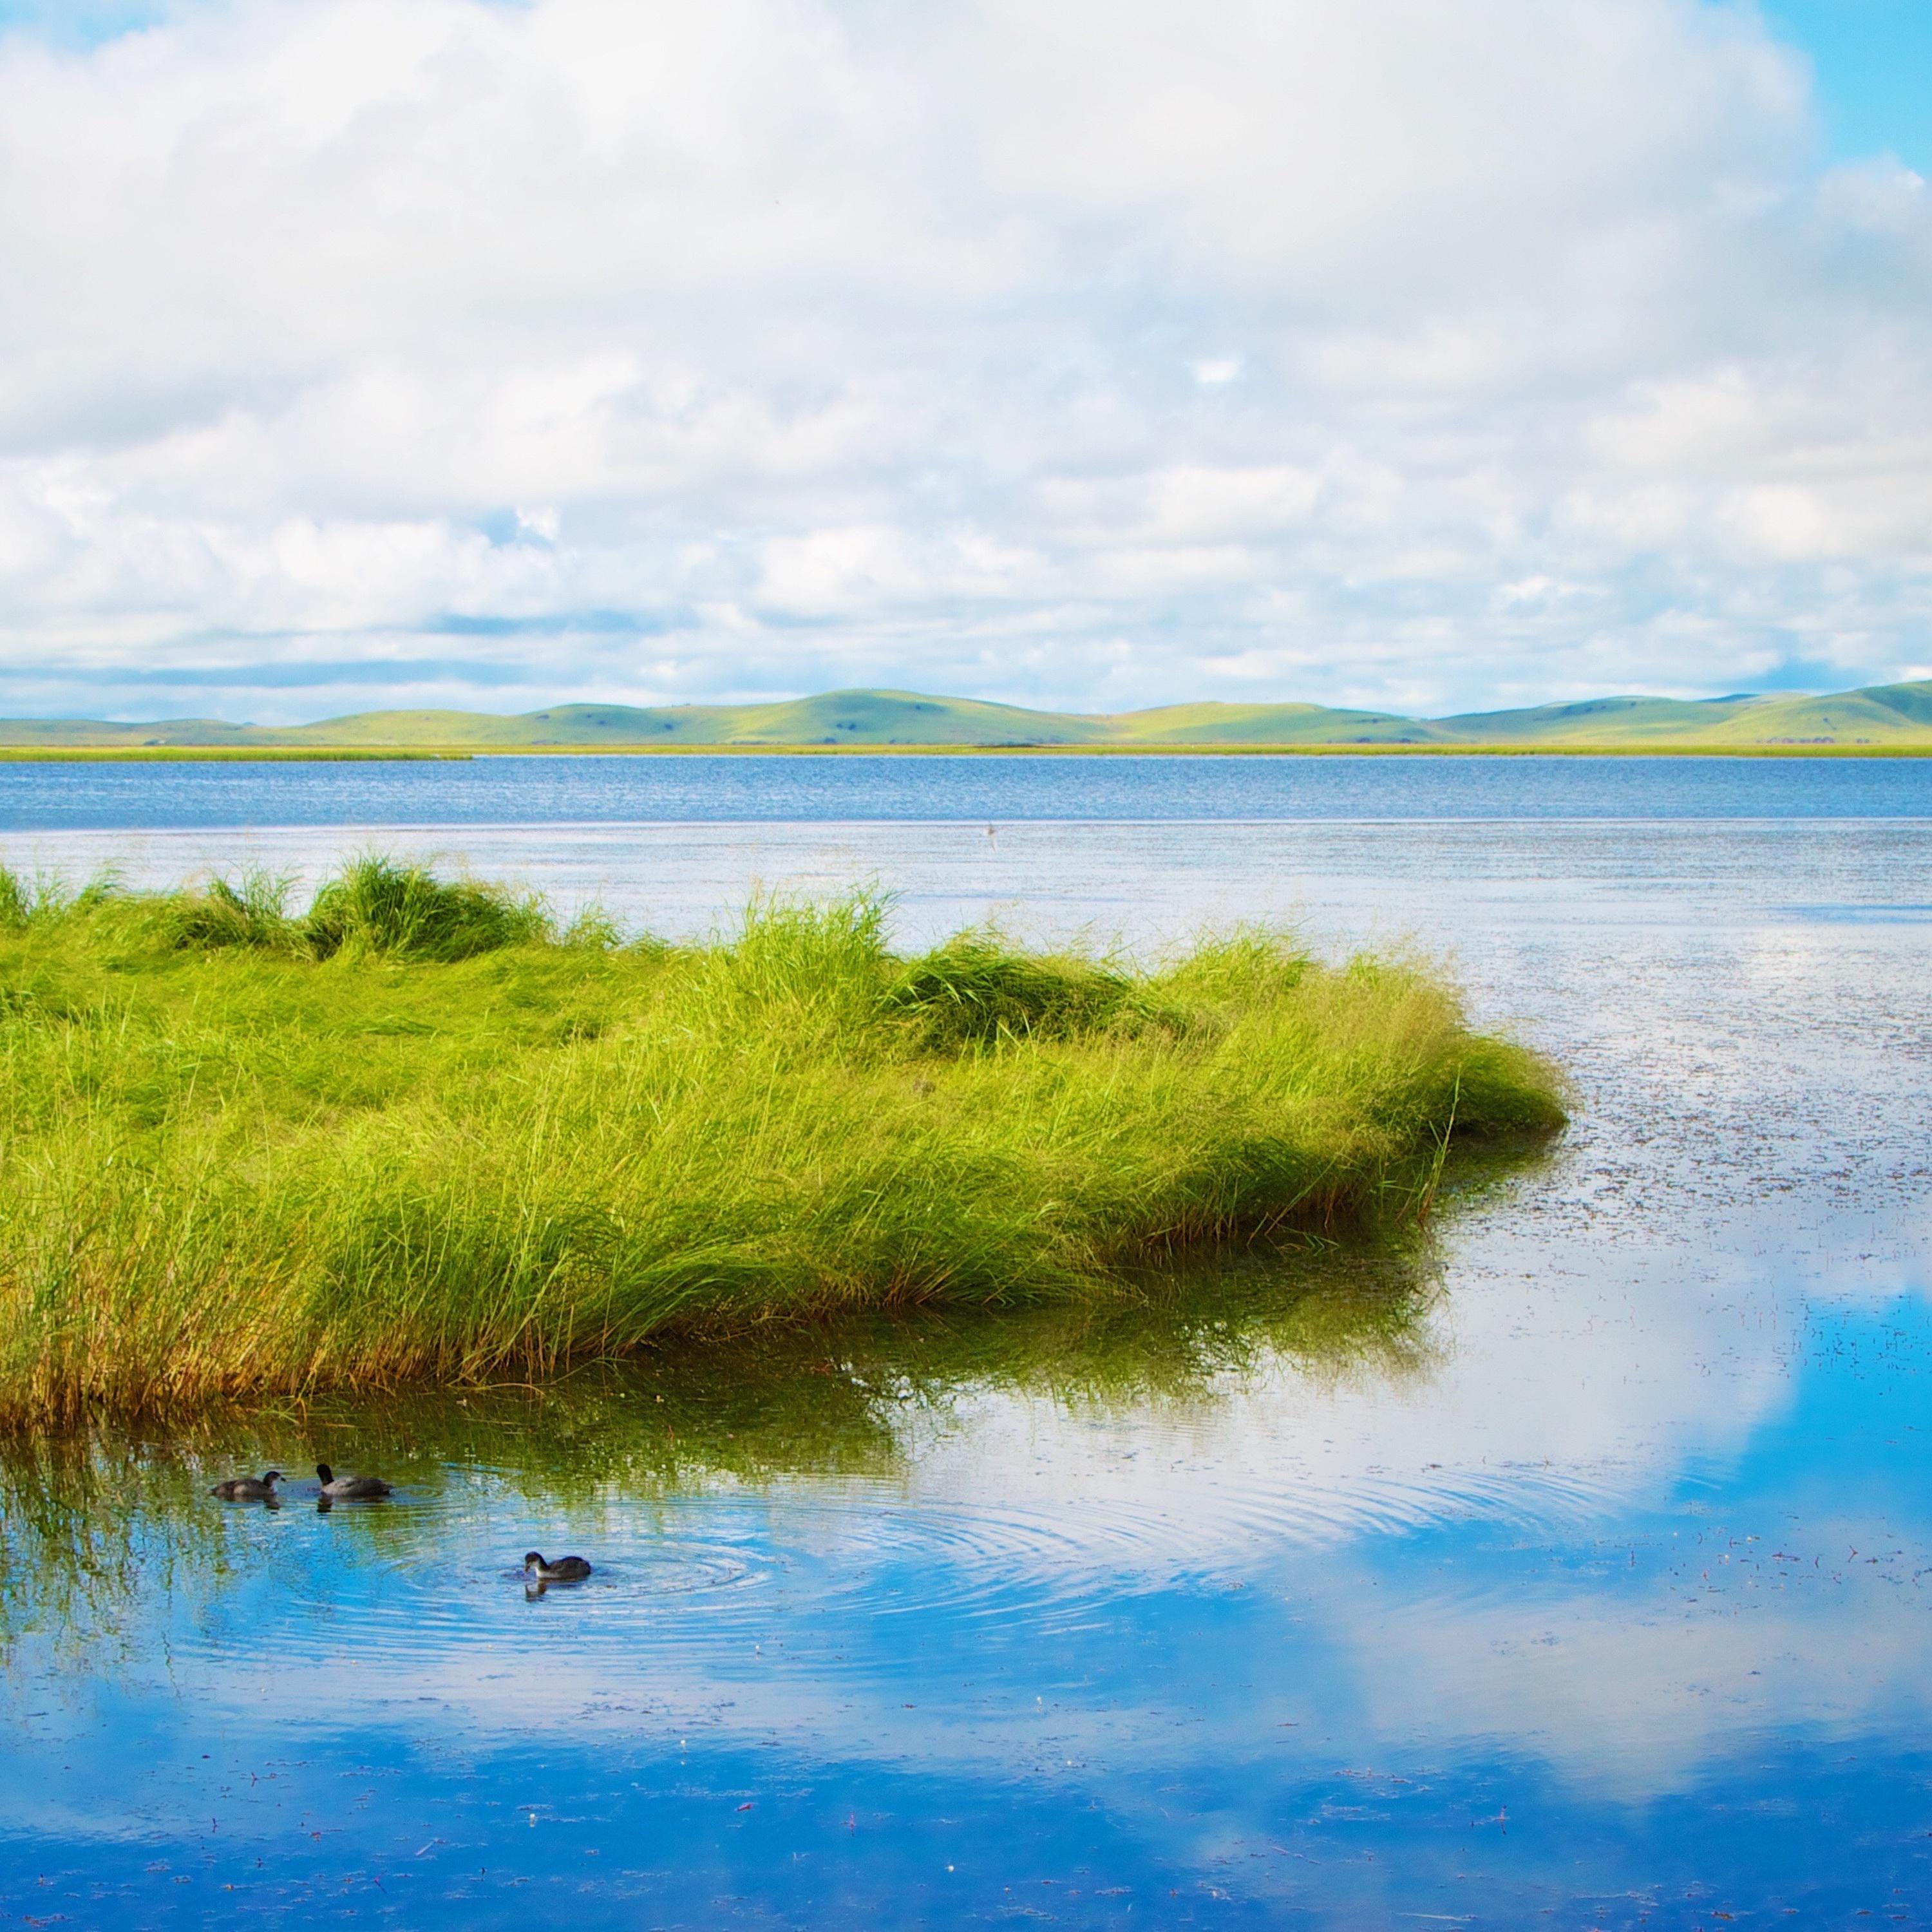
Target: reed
{"type": "Point", "coordinates": [417, 1134]}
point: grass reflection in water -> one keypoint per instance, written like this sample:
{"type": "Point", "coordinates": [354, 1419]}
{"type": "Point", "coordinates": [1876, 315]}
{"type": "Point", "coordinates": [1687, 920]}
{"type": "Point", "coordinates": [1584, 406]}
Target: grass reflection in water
{"type": "Point", "coordinates": [95, 1521]}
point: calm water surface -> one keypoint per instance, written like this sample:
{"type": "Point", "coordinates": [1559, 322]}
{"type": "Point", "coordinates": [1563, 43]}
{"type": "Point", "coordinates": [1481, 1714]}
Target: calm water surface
{"type": "Point", "coordinates": [697, 789]}
{"type": "Point", "coordinates": [1575, 1568]}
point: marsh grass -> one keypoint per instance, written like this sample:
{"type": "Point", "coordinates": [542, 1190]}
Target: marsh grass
{"type": "Point", "coordinates": [974, 991]}
{"type": "Point", "coordinates": [103, 1525]}
{"type": "Point", "coordinates": [372, 905]}
{"type": "Point", "coordinates": [415, 1134]}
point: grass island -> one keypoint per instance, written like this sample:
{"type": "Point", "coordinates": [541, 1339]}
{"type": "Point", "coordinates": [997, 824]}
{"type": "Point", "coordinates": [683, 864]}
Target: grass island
{"type": "Point", "coordinates": [418, 1133]}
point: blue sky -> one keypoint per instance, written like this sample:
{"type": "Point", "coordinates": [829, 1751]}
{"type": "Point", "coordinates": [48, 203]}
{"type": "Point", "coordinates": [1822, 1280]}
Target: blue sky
{"type": "Point", "coordinates": [1873, 63]}
{"type": "Point", "coordinates": [80, 23]}
{"type": "Point", "coordinates": [412, 352]}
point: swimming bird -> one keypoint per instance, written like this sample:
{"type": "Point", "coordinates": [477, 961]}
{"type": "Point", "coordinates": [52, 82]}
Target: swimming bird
{"type": "Point", "coordinates": [565, 1570]}
{"type": "Point", "coordinates": [246, 1489]}
{"type": "Point", "coordinates": [349, 1489]}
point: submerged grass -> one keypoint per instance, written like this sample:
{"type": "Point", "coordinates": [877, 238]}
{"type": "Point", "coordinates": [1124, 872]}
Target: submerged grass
{"type": "Point", "coordinates": [416, 1134]}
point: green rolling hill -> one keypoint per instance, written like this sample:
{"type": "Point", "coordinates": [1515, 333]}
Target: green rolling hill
{"type": "Point", "coordinates": [1896, 716]}
{"type": "Point", "coordinates": [838, 717]}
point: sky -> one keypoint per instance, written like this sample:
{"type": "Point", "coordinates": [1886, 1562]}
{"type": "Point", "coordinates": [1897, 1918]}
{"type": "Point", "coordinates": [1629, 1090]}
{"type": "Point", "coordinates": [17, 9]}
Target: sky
{"type": "Point", "coordinates": [498, 353]}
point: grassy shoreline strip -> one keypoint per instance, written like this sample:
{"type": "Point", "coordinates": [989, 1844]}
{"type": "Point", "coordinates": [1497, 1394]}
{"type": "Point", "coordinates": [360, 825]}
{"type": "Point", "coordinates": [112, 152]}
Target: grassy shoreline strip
{"type": "Point", "coordinates": [417, 1134]}
{"type": "Point", "coordinates": [351, 754]}
{"type": "Point", "coordinates": [270, 754]}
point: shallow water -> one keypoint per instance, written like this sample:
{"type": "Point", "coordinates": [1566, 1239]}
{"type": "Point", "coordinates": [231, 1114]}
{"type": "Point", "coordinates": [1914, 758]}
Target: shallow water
{"type": "Point", "coordinates": [1573, 1567]}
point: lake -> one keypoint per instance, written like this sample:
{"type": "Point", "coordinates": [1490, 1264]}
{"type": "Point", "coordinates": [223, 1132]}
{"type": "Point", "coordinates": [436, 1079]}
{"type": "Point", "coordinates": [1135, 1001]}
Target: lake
{"type": "Point", "coordinates": [1572, 1567]}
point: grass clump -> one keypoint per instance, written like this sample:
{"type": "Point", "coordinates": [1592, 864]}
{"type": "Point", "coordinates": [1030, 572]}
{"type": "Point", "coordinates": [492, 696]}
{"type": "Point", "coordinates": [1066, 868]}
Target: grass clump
{"type": "Point", "coordinates": [406, 911]}
{"type": "Point", "coordinates": [417, 1134]}
{"type": "Point", "coordinates": [975, 991]}
{"type": "Point", "coordinates": [251, 913]}
{"type": "Point", "coordinates": [373, 905]}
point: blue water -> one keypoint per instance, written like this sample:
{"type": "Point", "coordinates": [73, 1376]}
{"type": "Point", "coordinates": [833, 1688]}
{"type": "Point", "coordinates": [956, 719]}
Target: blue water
{"type": "Point", "coordinates": [1574, 1570]}
{"type": "Point", "coordinates": [697, 788]}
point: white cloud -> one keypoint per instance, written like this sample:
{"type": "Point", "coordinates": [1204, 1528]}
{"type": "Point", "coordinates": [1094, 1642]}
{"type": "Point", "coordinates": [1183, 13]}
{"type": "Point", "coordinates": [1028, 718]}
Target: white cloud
{"type": "Point", "coordinates": [1101, 355]}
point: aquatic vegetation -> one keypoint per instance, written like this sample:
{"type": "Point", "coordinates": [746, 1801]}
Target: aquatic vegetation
{"type": "Point", "coordinates": [372, 905]}
{"type": "Point", "coordinates": [99, 1520]}
{"type": "Point", "coordinates": [417, 1134]}
{"type": "Point", "coordinates": [974, 990]}
{"type": "Point", "coordinates": [403, 911]}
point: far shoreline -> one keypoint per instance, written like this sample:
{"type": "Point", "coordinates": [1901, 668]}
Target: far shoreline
{"type": "Point", "coordinates": [136, 754]}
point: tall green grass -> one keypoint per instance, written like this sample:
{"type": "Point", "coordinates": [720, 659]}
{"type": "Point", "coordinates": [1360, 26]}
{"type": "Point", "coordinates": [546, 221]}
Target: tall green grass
{"type": "Point", "coordinates": [416, 1133]}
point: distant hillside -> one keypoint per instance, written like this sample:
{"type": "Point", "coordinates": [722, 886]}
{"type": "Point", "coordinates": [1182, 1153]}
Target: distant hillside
{"type": "Point", "coordinates": [1890, 714]}
{"type": "Point", "coordinates": [838, 717]}
{"type": "Point", "coordinates": [1895, 715]}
